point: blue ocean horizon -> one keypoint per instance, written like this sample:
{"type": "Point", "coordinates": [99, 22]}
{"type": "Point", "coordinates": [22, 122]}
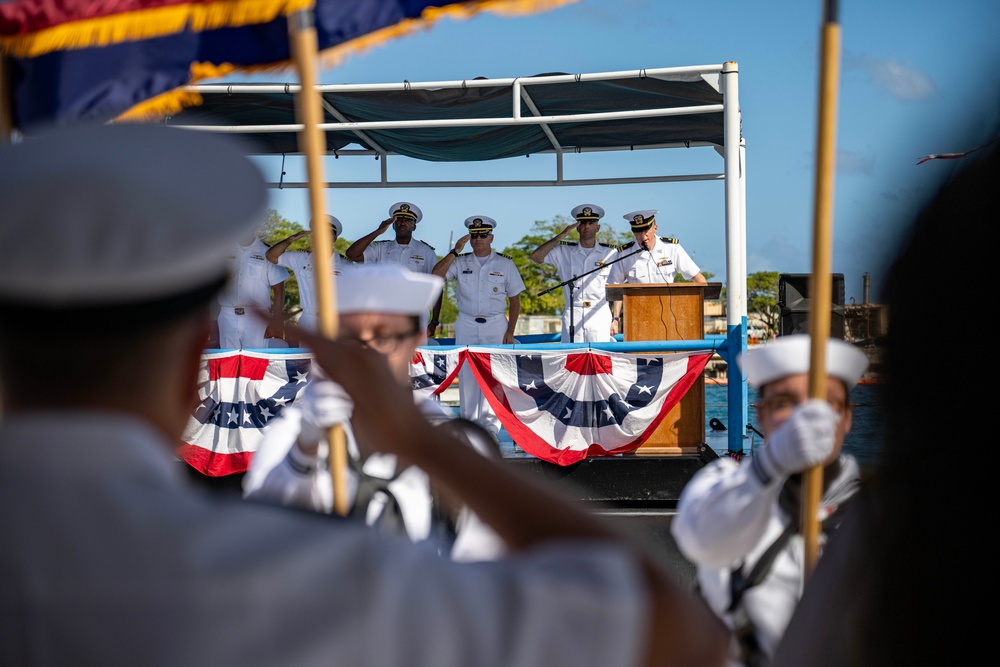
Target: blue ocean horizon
{"type": "Point", "coordinates": [864, 441]}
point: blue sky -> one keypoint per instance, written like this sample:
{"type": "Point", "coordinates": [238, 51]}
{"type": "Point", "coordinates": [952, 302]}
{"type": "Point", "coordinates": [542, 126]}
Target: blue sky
{"type": "Point", "coordinates": [917, 77]}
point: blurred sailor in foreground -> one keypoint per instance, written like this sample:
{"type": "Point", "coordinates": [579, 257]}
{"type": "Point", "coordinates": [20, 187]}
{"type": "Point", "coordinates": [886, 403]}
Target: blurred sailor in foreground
{"type": "Point", "coordinates": [112, 557]}
{"type": "Point", "coordinates": [385, 307]}
{"type": "Point", "coordinates": [739, 522]}
{"type": "Point", "coordinates": [589, 304]}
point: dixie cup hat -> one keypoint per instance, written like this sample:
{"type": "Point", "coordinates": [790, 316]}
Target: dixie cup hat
{"type": "Point", "coordinates": [789, 355]}
{"type": "Point", "coordinates": [130, 213]}
{"type": "Point", "coordinates": [387, 288]}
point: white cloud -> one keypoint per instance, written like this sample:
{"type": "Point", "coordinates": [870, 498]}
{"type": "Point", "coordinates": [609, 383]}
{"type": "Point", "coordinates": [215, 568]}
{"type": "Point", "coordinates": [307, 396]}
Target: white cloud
{"type": "Point", "coordinates": [901, 81]}
{"type": "Point", "coordinates": [852, 162]}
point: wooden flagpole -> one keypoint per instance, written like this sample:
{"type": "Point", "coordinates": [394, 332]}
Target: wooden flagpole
{"type": "Point", "coordinates": [821, 282]}
{"type": "Point", "coordinates": [302, 34]}
{"type": "Point", "coordinates": [6, 103]}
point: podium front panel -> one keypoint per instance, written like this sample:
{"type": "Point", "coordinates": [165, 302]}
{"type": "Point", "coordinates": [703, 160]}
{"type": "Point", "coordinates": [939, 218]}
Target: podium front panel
{"type": "Point", "coordinates": [674, 311]}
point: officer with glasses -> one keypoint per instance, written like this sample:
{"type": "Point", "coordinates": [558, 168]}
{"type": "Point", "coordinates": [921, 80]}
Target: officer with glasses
{"type": "Point", "coordinates": [485, 283]}
{"type": "Point", "coordinates": [383, 306]}
{"type": "Point", "coordinates": [738, 522]}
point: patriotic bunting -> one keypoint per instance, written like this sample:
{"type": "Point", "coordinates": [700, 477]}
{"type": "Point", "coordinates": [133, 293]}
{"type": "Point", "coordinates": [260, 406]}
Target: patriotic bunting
{"type": "Point", "coordinates": [240, 393]}
{"type": "Point", "coordinates": [564, 407]}
{"type": "Point", "coordinates": [431, 371]}
{"type": "Point", "coordinates": [558, 406]}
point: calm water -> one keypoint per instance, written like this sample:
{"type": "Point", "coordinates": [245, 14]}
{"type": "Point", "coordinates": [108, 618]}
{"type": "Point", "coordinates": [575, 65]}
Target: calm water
{"type": "Point", "coordinates": [864, 441]}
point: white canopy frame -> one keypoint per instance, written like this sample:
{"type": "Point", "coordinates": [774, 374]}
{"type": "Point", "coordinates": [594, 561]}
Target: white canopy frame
{"type": "Point", "coordinates": [722, 77]}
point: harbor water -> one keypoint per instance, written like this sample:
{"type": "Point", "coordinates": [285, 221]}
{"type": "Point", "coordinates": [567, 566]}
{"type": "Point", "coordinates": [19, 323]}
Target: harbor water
{"type": "Point", "coordinates": [864, 441]}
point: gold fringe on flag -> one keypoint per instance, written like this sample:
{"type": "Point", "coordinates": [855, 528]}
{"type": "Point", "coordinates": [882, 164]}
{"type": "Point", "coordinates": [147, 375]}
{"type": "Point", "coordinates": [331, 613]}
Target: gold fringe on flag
{"type": "Point", "coordinates": [172, 102]}
{"type": "Point", "coordinates": [147, 24]}
{"type": "Point", "coordinates": [458, 11]}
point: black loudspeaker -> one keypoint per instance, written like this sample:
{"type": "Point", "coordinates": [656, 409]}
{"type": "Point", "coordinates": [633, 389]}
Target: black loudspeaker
{"type": "Point", "coordinates": [793, 300]}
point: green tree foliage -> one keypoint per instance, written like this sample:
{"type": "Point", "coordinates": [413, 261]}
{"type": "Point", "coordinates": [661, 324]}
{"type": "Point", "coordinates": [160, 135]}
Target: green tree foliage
{"type": "Point", "coordinates": [540, 277]}
{"type": "Point", "coordinates": [277, 228]}
{"type": "Point", "coordinates": [762, 299]}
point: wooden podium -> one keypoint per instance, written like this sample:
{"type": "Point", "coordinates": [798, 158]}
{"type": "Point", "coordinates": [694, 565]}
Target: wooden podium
{"type": "Point", "coordinates": [669, 311]}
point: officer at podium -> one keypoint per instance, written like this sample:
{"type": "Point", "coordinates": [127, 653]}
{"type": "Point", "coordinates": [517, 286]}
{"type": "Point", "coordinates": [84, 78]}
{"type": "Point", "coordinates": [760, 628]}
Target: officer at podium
{"type": "Point", "coordinates": [650, 258]}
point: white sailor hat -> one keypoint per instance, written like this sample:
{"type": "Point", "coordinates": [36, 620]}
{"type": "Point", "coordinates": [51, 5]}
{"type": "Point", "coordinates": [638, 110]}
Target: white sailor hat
{"type": "Point", "coordinates": [112, 215]}
{"type": "Point", "coordinates": [404, 209]}
{"type": "Point", "coordinates": [641, 220]}
{"type": "Point", "coordinates": [387, 288]}
{"type": "Point", "coordinates": [480, 223]}
{"type": "Point", "coordinates": [339, 228]}
{"type": "Point", "coordinates": [789, 355]}
{"type": "Point", "coordinates": [588, 212]}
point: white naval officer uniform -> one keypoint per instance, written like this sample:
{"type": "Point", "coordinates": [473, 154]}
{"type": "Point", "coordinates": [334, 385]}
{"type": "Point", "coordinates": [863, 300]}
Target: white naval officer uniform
{"type": "Point", "coordinates": [301, 264]}
{"type": "Point", "coordinates": [248, 288]}
{"type": "Point", "coordinates": [415, 255]}
{"type": "Point", "coordinates": [481, 292]}
{"type": "Point", "coordinates": [660, 264]}
{"type": "Point", "coordinates": [591, 313]}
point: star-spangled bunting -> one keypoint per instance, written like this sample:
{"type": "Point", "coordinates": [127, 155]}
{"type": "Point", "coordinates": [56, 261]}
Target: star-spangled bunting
{"type": "Point", "coordinates": [564, 407]}
{"type": "Point", "coordinates": [431, 371]}
{"type": "Point", "coordinates": [559, 406]}
{"type": "Point", "coordinates": [240, 393]}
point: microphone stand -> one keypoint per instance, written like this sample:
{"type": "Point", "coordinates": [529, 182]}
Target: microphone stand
{"type": "Point", "coordinates": [571, 282]}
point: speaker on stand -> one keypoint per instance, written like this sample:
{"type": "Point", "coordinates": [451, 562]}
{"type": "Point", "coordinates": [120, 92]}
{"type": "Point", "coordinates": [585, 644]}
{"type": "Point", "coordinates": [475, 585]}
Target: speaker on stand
{"type": "Point", "coordinates": [794, 302]}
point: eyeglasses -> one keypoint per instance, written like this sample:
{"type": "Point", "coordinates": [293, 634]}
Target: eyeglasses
{"type": "Point", "coordinates": [479, 235]}
{"type": "Point", "coordinates": [386, 343]}
{"type": "Point", "coordinates": [784, 404]}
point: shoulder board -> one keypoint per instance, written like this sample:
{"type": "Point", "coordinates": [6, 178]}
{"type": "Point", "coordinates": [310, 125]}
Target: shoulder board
{"type": "Point", "coordinates": [465, 254]}
{"type": "Point", "coordinates": [669, 239]}
{"type": "Point", "coordinates": [383, 241]}
{"type": "Point", "coordinates": [344, 258]}
{"type": "Point", "coordinates": [608, 245]}
{"type": "Point", "coordinates": [568, 243]}
{"type": "Point", "coordinates": [507, 256]}
{"type": "Point", "coordinates": [627, 245]}
{"type": "Point", "coordinates": [428, 245]}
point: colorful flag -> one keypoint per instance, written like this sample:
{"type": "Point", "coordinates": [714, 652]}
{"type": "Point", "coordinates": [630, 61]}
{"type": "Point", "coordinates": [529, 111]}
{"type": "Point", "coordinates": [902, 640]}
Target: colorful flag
{"type": "Point", "coordinates": [564, 407]}
{"type": "Point", "coordinates": [77, 60]}
{"type": "Point", "coordinates": [240, 392]}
